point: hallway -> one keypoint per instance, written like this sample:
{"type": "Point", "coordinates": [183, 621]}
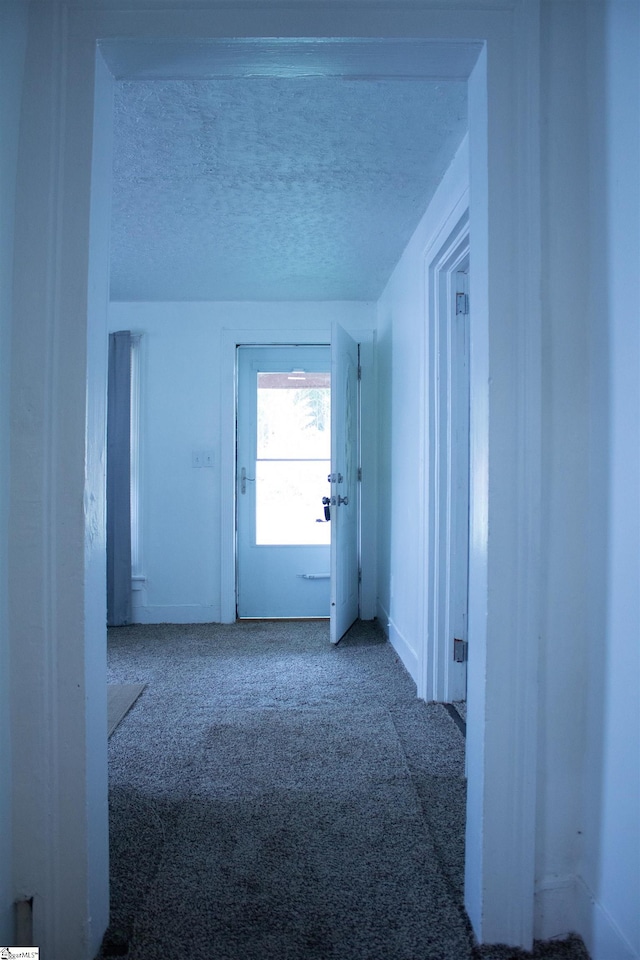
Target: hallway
{"type": "Point", "coordinates": [273, 796]}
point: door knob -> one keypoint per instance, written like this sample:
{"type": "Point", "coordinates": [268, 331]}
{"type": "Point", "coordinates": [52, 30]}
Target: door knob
{"type": "Point", "coordinates": [343, 500]}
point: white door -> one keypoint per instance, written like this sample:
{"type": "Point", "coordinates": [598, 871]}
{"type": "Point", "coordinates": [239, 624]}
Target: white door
{"type": "Point", "coordinates": [344, 482]}
{"type": "Point", "coordinates": [283, 463]}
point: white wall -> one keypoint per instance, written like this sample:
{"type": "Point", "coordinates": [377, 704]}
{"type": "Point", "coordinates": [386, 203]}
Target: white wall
{"type": "Point", "coordinates": [13, 37]}
{"type": "Point", "coordinates": [56, 523]}
{"type": "Point", "coordinates": [609, 877]}
{"type": "Point", "coordinates": [403, 428]}
{"type": "Point", "coordinates": [588, 820]}
{"type": "Point", "coordinates": [95, 614]}
{"type": "Point", "coordinates": [186, 404]}
{"type": "Point", "coordinates": [563, 696]}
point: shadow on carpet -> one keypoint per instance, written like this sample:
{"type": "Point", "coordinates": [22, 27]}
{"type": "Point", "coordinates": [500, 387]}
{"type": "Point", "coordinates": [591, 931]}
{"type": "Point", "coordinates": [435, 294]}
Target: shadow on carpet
{"type": "Point", "coordinates": [276, 797]}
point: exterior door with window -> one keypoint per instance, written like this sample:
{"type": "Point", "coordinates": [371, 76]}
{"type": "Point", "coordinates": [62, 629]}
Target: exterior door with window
{"type": "Point", "coordinates": [283, 466]}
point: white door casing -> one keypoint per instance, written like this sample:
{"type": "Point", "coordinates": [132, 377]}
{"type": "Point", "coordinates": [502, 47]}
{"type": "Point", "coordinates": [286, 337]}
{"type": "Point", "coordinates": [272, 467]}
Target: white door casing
{"type": "Point", "coordinates": [447, 536]}
{"type": "Point", "coordinates": [458, 481]}
{"type": "Point", "coordinates": [55, 177]}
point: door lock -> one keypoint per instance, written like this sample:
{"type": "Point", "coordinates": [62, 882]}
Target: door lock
{"type": "Point", "coordinates": [460, 650]}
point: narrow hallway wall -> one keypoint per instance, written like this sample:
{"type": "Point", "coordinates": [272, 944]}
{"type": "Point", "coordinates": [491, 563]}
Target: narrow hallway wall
{"type": "Point", "coordinates": [588, 833]}
{"type": "Point", "coordinates": [403, 429]}
{"type": "Point", "coordinates": [609, 880]}
{"type": "Point", "coordinates": [13, 38]}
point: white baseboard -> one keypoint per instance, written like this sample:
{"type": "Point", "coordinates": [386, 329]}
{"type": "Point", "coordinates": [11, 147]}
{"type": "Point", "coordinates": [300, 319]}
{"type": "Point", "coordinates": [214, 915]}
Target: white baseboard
{"type": "Point", "coordinates": [565, 905]}
{"type": "Point", "coordinates": [399, 643]}
{"type": "Point", "coordinates": [603, 937]}
{"type": "Point", "coordinates": [383, 618]}
{"type": "Point", "coordinates": [555, 908]}
{"type": "Point", "coordinates": [184, 613]}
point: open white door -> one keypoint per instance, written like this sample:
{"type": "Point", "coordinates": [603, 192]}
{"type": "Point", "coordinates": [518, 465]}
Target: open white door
{"type": "Point", "coordinates": [344, 482]}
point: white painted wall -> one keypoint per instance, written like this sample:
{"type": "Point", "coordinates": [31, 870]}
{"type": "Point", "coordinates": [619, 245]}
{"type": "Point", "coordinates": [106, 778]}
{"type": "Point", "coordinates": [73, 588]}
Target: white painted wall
{"type": "Point", "coordinates": [95, 579]}
{"type": "Point", "coordinates": [186, 404]}
{"type": "Point", "coordinates": [56, 524]}
{"type": "Point", "coordinates": [403, 428]}
{"type": "Point", "coordinates": [565, 495]}
{"type": "Point", "coordinates": [608, 890]}
{"type": "Point", "coordinates": [588, 820]}
{"type": "Point", "coordinates": [13, 38]}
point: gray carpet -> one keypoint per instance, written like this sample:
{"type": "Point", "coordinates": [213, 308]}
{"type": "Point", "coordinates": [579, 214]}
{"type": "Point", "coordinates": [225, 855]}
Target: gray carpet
{"type": "Point", "coordinates": [273, 796]}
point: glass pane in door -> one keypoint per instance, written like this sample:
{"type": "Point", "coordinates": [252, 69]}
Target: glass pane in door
{"type": "Point", "coordinates": [289, 501]}
{"type": "Point", "coordinates": [293, 457]}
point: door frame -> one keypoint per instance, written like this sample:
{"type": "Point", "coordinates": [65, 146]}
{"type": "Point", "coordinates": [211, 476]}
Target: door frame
{"type": "Point", "coordinates": [59, 309]}
{"type": "Point", "coordinates": [452, 247]}
{"type": "Point", "coordinates": [234, 337]}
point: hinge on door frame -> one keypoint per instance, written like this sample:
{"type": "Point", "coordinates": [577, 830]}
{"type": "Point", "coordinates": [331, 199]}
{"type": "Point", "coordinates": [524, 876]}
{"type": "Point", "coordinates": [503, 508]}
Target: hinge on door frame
{"type": "Point", "coordinates": [460, 650]}
{"type": "Point", "coordinates": [462, 303]}
{"type": "Point", "coordinates": [359, 575]}
{"type": "Point", "coordinates": [359, 372]}
{"type": "Point", "coordinates": [360, 474]}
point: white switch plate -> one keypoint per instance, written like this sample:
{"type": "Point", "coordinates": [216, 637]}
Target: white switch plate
{"type": "Point", "coordinates": [202, 458]}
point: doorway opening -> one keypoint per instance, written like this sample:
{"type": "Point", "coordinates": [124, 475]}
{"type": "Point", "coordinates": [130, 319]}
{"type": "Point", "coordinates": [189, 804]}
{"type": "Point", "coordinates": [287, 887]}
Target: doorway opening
{"type": "Point", "coordinates": [509, 190]}
{"type": "Point", "coordinates": [445, 663]}
{"type": "Point", "coordinates": [325, 497]}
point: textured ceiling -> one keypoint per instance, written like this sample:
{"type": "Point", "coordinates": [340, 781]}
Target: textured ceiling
{"type": "Point", "coordinates": [271, 188]}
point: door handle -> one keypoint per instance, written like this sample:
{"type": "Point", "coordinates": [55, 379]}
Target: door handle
{"type": "Point", "coordinates": [243, 480]}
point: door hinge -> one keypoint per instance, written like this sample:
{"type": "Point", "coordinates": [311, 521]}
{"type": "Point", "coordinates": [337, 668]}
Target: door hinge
{"type": "Point", "coordinates": [359, 372]}
{"type": "Point", "coordinates": [360, 474]}
{"type": "Point", "coordinates": [359, 576]}
{"type": "Point", "coordinates": [460, 650]}
{"type": "Point", "coordinates": [462, 303]}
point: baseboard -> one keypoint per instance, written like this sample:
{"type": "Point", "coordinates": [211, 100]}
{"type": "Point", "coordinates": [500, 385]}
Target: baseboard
{"type": "Point", "coordinates": [383, 618]}
{"type": "Point", "coordinates": [184, 613]}
{"type": "Point", "coordinates": [555, 908]}
{"type": "Point", "coordinates": [399, 643]}
{"type": "Point", "coordinates": [603, 937]}
{"type": "Point", "coordinates": [565, 905]}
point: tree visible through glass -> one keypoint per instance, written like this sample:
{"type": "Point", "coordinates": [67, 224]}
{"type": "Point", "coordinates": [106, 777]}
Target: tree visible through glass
{"type": "Point", "coordinates": [293, 457]}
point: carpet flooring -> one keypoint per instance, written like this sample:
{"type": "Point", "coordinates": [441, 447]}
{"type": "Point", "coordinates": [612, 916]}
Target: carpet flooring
{"type": "Point", "coordinates": [272, 796]}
